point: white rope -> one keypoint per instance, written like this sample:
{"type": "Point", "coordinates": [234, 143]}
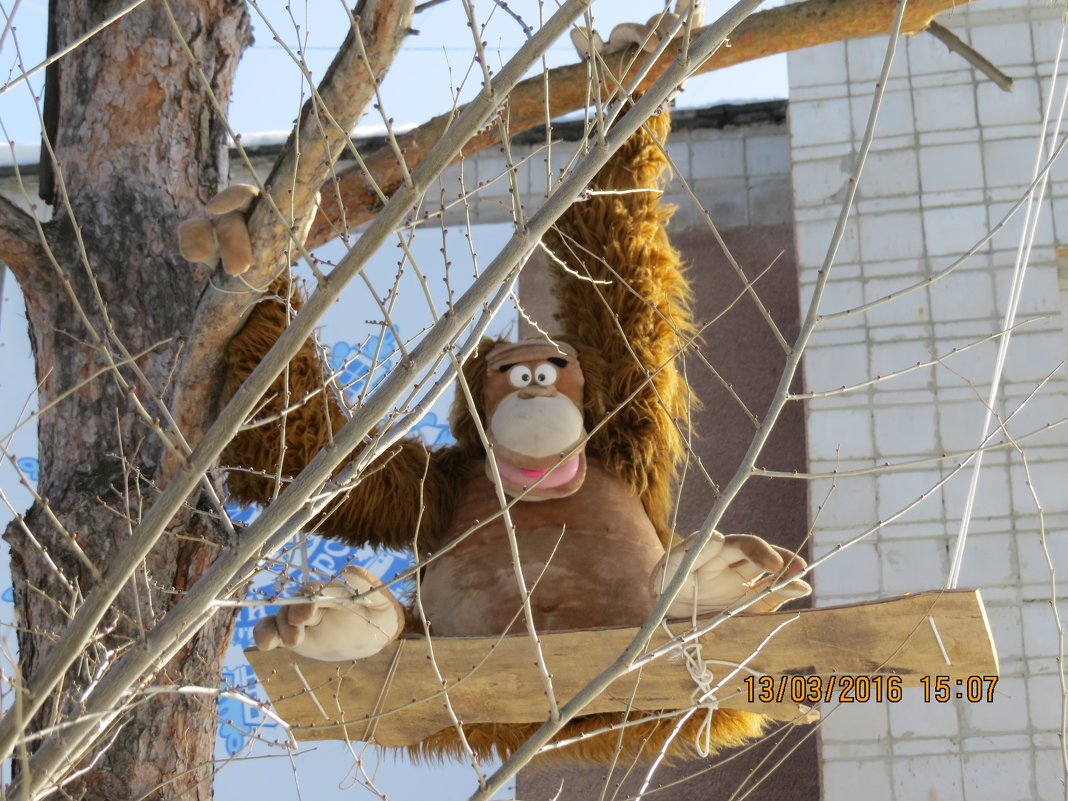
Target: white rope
{"type": "Point", "coordinates": [704, 696]}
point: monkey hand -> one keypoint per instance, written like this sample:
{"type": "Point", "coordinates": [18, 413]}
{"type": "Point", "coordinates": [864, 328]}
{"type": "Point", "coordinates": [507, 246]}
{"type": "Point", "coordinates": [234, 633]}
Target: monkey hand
{"type": "Point", "coordinates": [731, 569]}
{"type": "Point", "coordinates": [223, 233]}
{"type": "Point", "coordinates": [345, 621]}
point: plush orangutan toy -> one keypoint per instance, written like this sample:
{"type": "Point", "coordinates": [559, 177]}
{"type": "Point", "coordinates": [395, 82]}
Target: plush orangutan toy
{"type": "Point", "coordinates": [585, 438]}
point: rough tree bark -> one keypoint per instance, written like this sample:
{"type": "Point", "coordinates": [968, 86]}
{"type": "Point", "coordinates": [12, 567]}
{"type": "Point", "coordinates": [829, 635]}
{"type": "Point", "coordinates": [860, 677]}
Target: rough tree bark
{"type": "Point", "coordinates": [138, 147]}
{"type": "Point", "coordinates": [139, 144]}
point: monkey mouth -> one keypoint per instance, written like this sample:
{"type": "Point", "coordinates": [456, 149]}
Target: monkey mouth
{"type": "Point", "coordinates": [537, 478]}
{"type": "Point", "coordinates": [547, 478]}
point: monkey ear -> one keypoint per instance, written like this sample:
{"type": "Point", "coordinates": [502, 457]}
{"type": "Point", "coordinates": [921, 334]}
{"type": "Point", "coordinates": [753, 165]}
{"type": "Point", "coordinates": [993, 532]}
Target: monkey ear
{"type": "Point", "coordinates": [460, 420]}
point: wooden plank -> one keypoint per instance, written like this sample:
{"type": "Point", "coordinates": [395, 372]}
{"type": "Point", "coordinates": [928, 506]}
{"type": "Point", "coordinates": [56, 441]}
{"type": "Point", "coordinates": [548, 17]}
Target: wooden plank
{"type": "Point", "coordinates": [395, 698]}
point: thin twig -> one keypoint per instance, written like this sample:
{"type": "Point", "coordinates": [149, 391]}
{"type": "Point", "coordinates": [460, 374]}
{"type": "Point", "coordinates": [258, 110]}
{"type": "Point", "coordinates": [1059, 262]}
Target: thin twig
{"type": "Point", "coordinates": [957, 45]}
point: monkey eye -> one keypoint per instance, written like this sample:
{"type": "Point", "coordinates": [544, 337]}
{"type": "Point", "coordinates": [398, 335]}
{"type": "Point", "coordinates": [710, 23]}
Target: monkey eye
{"type": "Point", "coordinates": [545, 374]}
{"type": "Point", "coordinates": [519, 376]}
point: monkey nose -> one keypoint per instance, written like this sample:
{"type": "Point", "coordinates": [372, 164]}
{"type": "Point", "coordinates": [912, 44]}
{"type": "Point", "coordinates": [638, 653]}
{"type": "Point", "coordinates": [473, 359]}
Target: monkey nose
{"type": "Point", "coordinates": [536, 392]}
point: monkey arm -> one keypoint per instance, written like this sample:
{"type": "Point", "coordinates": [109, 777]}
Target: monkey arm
{"type": "Point", "coordinates": [403, 493]}
{"type": "Point", "coordinates": [629, 312]}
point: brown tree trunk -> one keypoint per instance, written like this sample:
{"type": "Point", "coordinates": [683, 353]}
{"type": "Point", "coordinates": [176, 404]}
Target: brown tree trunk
{"type": "Point", "coordinates": [138, 147]}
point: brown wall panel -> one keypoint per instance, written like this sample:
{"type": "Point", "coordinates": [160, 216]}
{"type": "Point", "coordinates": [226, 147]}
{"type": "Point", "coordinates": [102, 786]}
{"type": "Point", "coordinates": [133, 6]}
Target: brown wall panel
{"type": "Point", "coordinates": [743, 351]}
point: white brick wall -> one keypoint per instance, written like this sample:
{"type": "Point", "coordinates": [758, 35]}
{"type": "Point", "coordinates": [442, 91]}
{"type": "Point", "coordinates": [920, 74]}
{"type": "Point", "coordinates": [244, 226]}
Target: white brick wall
{"type": "Point", "coordinates": [740, 174]}
{"type": "Point", "coordinates": [953, 154]}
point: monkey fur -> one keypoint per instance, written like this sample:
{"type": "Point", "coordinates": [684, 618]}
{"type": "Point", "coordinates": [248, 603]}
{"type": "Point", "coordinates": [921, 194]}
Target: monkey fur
{"type": "Point", "coordinates": [615, 358]}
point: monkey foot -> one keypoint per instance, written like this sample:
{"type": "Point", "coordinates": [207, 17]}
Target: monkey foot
{"type": "Point", "coordinates": [352, 617]}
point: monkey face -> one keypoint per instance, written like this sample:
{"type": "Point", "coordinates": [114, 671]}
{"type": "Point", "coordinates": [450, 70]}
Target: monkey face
{"type": "Point", "coordinates": [533, 400]}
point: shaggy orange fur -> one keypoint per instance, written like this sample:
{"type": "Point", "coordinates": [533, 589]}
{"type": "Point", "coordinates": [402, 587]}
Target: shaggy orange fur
{"type": "Point", "coordinates": [641, 742]}
{"type": "Point", "coordinates": [638, 322]}
{"type": "Point", "coordinates": [627, 332]}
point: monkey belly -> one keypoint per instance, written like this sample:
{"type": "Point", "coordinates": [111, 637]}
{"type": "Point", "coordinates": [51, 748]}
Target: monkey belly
{"type": "Point", "coordinates": [586, 560]}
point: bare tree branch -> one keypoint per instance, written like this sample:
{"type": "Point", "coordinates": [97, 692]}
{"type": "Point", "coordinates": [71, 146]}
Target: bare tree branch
{"type": "Point", "coordinates": [779, 30]}
{"type": "Point", "coordinates": [957, 45]}
{"type": "Point", "coordinates": [323, 129]}
{"type": "Point", "coordinates": [574, 706]}
{"type": "Point", "coordinates": [289, 510]}
{"type": "Point", "coordinates": [304, 164]}
{"type": "Point", "coordinates": [20, 247]}
{"type": "Point", "coordinates": [179, 625]}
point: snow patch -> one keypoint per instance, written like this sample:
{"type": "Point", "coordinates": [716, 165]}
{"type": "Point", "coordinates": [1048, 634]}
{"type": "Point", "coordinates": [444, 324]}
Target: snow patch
{"type": "Point", "coordinates": [24, 154]}
{"type": "Point", "coordinates": [269, 138]}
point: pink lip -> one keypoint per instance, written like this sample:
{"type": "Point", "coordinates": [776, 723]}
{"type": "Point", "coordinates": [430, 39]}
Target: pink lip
{"type": "Point", "coordinates": [550, 479]}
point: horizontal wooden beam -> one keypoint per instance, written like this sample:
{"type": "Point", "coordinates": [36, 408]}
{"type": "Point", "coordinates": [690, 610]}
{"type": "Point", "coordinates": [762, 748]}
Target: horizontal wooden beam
{"type": "Point", "coordinates": [395, 698]}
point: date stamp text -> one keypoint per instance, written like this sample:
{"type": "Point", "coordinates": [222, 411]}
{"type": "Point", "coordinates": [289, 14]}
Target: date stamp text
{"type": "Point", "coordinates": [860, 689]}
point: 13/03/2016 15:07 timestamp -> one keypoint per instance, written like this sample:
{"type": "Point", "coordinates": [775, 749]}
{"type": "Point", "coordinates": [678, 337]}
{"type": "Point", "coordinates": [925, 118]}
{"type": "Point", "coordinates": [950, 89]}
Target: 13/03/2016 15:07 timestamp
{"type": "Point", "coordinates": [813, 689]}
